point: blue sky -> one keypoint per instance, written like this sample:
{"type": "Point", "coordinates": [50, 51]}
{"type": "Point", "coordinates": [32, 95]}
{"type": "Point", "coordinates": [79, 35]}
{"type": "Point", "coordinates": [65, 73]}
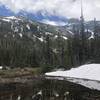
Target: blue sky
{"type": "Point", "coordinates": [58, 8]}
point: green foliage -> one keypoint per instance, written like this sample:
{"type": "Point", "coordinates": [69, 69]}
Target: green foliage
{"type": "Point", "coordinates": [46, 68]}
{"type": "Point", "coordinates": [54, 51]}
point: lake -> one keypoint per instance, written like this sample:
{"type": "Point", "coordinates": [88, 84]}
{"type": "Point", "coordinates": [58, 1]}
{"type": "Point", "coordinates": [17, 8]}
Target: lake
{"type": "Point", "coordinates": [43, 89]}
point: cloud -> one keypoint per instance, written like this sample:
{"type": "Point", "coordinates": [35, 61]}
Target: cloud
{"type": "Point", "coordinates": [64, 8]}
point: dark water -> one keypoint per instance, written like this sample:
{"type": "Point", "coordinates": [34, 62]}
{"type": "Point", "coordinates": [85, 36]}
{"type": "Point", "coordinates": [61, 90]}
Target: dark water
{"type": "Point", "coordinates": [44, 90]}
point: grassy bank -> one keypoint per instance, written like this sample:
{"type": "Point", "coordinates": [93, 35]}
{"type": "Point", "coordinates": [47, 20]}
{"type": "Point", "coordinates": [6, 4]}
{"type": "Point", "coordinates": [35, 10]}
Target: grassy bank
{"type": "Point", "coordinates": [18, 72]}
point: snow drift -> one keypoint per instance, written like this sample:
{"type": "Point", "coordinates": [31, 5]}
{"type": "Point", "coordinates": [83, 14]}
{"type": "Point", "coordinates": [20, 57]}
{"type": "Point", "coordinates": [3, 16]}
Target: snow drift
{"type": "Point", "coordinates": [86, 75]}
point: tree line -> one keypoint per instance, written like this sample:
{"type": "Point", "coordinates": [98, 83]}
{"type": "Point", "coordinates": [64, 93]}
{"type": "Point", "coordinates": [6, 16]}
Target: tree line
{"type": "Point", "coordinates": [51, 53]}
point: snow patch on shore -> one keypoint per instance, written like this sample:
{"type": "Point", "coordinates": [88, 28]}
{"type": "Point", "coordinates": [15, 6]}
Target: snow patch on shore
{"type": "Point", "coordinates": [86, 75]}
{"type": "Point", "coordinates": [90, 71]}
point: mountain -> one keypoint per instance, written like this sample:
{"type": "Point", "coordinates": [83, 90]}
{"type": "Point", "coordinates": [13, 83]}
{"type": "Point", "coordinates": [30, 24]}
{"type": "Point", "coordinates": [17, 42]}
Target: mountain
{"type": "Point", "coordinates": [74, 22]}
{"type": "Point", "coordinates": [23, 26]}
{"type": "Point", "coordinates": [19, 26]}
{"type": "Point", "coordinates": [24, 42]}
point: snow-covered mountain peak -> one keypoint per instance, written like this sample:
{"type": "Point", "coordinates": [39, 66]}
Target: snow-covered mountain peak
{"type": "Point", "coordinates": [21, 26]}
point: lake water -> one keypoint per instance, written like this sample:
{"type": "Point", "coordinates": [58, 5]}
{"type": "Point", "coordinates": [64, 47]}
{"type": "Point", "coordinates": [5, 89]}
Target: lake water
{"type": "Point", "coordinates": [43, 90]}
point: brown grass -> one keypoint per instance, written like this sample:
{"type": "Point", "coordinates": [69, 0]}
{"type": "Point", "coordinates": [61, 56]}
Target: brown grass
{"type": "Point", "coordinates": [17, 72]}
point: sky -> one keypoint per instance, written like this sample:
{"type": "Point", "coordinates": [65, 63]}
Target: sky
{"type": "Point", "coordinates": [61, 8]}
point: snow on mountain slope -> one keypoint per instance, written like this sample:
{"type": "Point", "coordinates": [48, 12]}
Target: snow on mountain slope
{"type": "Point", "coordinates": [92, 34]}
{"type": "Point", "coordinates": [86, 75]}
{"type": "Point", "coordinates": [7, 20]}
{"type": "Point", "coordinates": [18, 24]}
{"type": "Point", "coordinates": [12, 17]}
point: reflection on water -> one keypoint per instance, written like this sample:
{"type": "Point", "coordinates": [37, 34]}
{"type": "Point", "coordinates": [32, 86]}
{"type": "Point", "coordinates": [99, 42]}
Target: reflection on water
{"type": "Point", "coordinates": [33, 90]}
{"type": "Point", "coordinates": [19, 91]}
{"type": "Point", "coordinates": [42, 90]}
